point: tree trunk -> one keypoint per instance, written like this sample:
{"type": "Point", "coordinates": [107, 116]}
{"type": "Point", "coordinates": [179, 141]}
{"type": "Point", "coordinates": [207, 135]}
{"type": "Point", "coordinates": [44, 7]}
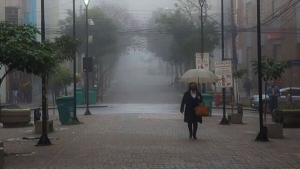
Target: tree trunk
{"type": "Point", "coordinates": [265, 101]}
{"type": "Point", "coordinates": [66, 91]}
{"type": "Point", "coordinates": [180, 69]}
{"type": "Point", "coordinates": [176, 70]}
{"type": "Point", "coordinates": [53, 101]}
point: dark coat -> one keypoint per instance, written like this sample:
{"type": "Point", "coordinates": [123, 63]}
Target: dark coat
{"type": "Point", "coordinates": [188, 105]}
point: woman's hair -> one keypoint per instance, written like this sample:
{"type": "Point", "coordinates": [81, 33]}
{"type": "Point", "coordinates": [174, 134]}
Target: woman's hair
{"type": "Point", "coordinates": [190, 86]}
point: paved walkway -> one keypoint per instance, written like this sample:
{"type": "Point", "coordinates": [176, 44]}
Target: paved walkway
{"type": "Point", "coordinates": [114, 140]}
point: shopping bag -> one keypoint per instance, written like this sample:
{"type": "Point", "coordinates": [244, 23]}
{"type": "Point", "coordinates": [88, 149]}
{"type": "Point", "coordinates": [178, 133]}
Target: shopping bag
{"type": "Point", "coordinates": [202, 110]}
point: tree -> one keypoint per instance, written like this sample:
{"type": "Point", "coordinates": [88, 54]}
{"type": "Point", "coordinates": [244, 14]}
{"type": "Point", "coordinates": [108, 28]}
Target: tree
{"type": "Point", "coordinates": [185, 31]}
{"type": "Point", "coordinates": [21, 52]}
{"type": "Point", "coordinates": [62, 78]}
{"type": "Point", "coordinates": [272, 69]}
{"type": "Point", "coordinates": [67, 47]}
{"type": "Point", "coordinates": [237, 74]}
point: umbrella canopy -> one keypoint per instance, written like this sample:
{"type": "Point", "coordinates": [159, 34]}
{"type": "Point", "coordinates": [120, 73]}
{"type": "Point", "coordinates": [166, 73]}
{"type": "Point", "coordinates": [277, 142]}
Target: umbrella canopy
{"type": "Point", "coordinates": [199, 75]}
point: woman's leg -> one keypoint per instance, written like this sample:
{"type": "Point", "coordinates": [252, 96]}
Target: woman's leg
{"type": "Point", "coordinates": [195, 127]}
{"type": "Point", "coordinates": [190, 129]}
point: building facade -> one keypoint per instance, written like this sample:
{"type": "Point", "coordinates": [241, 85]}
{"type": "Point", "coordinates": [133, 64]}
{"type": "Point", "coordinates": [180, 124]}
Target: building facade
{"type": "Point", "coordinates": [280, 21]}
{"type": "Point", "coordinates": [28, 12]}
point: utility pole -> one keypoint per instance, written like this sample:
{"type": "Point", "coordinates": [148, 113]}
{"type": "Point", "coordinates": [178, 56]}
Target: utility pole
{"type": "Point", "coordinates": [262, 135]}
{"type": "Point", "coordinates": [74, 66]}
{"type": "Point", "coordinates": [202, 3]}
{"type": "Point", "coordinates": [224, 120]}
{"type": "Point", "coordinates": [234, 53]}
{"type": "Point", "coordinates": [44, 140]}
{"type": "Point", "coordinates": [234, 35]}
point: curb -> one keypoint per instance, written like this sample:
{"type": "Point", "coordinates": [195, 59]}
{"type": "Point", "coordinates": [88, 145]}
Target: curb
{"type": "Point", "coordinates": [91, 106]}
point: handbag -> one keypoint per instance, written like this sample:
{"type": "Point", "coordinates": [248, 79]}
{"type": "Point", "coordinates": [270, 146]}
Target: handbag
{"type": "Point", "coordinates": [202, 110]}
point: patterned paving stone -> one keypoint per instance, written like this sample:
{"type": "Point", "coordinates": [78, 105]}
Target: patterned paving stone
{"type": "Point", "coordinates": [153, 141]}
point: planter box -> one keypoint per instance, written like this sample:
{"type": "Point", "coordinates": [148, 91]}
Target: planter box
{"type": "Point", "coordinates": [235, 118]}
{"type": "Point", "coordinates": [275, 130]}
{"type": "Point", "coordinates": [288, 118]}
{"type": "Point", "coordinates": [39, 127]}
{"type": "Point", "coordinates": [15, 117]}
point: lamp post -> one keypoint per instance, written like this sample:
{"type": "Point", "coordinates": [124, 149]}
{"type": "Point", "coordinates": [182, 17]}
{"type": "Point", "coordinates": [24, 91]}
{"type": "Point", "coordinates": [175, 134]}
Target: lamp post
{"type": "Point", "coordinates": [74, 68]}
{"type": "Point", "coordinates": [44, 140]}
{"type": "Point", "coordinates": [202, 2]}
{"type": "Point", "coordinates": [86, 2]}
{"type": "Point", "coordinates": [224, 120]}
{"type": "Point", "coordinates": [262, 136]}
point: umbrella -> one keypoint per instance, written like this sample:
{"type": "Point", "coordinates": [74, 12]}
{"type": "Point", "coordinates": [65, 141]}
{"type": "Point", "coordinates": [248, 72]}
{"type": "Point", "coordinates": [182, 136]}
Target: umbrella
{"type": "Point", "coordinates": [199, 76]}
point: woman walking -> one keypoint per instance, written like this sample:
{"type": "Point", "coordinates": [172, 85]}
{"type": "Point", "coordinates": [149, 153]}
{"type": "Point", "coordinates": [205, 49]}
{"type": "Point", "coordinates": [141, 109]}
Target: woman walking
{"type": "Point", "coordinates": [191, 99]}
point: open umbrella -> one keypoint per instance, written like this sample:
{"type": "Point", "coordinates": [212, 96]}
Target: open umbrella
{"type": "Point", "coordinates": [199, 76]}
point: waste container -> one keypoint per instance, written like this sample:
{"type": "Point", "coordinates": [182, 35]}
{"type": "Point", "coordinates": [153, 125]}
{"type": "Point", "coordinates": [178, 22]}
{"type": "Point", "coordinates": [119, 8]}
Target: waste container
{"type": "Point", "coordinates": [65, 106]}
{"type": "Point", "coordinates": [92, 96]}
{"type": "Point", "coordinates": [79, 98]}
{"type": "Point", "coordinates": [207, 100]}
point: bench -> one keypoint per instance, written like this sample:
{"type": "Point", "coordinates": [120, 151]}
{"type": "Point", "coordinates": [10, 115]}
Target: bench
{"type": "Point", "coordinates": [288, 118]}
{"type": "Point", "coordinates": [15, 117]}
{"type": "Point", "coordinates": [39, 126]}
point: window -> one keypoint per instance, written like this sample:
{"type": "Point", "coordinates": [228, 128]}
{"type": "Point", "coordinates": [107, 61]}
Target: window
{"type": "Point", "coordinates": [277, 51]}
{"type": "Point", "coordinates": [248, 13]}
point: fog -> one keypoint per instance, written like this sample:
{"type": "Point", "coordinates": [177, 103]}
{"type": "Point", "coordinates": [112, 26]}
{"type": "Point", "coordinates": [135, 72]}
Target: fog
{"type": "Point", "coordinates": [142, 8]}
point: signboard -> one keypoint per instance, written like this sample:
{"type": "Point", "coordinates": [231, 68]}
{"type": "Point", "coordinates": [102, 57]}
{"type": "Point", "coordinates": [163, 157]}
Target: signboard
{"type": "Point", "coordinates": [223, 69]}
{"type": "Point", "coordinates": [202, 63]}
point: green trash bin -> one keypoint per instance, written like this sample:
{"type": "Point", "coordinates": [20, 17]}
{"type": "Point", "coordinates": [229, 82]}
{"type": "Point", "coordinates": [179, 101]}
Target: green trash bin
{"type": "Point", "coordinates": [79, 98]}
{"type": "Point", "coordinates": [65, 106]}
{"type": "Point", "coordinates": [207, 100]}
{"type": "Point", "coordinates": [92, 96]}
{"type": "Point", "coordinates": [79, 90]}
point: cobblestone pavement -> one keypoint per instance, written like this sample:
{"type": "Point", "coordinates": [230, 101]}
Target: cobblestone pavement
{"type": "Point", "coordinates": [135, 140]}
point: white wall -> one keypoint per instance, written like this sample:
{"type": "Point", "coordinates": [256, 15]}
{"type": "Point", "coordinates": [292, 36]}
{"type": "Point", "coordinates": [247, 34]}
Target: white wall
{"type": "Point", "coordinates": [2, 71]}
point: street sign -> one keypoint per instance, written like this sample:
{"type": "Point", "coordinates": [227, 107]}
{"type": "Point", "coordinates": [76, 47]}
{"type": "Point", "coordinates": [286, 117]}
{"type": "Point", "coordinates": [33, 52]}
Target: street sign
{"type": "Point", "coordinates": [202, 63]}
{"type": "Point", "coordinates": [223, 69]}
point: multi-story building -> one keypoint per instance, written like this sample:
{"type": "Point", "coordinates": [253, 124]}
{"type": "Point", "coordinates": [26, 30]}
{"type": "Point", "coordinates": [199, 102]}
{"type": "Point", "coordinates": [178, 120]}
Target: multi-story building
{"type": "Point", "coordinates": [280, 22]}
{"type": "Point", "coordinates": [28, 12]}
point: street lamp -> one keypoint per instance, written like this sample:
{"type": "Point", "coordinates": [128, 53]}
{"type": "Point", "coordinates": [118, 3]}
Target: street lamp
{"type": "Point", "coordinates": [87, 112]}
{"type": "Point", "coordinates": [74, 68]}
{"type": "Point", "coordinates": [202, 2]}
{"type": "Point", "coordinates": [44, 140]}
{"type": "Point", "coordinates": [262, 136]}
{"type": "Point", "coordinates": [224, 120]}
